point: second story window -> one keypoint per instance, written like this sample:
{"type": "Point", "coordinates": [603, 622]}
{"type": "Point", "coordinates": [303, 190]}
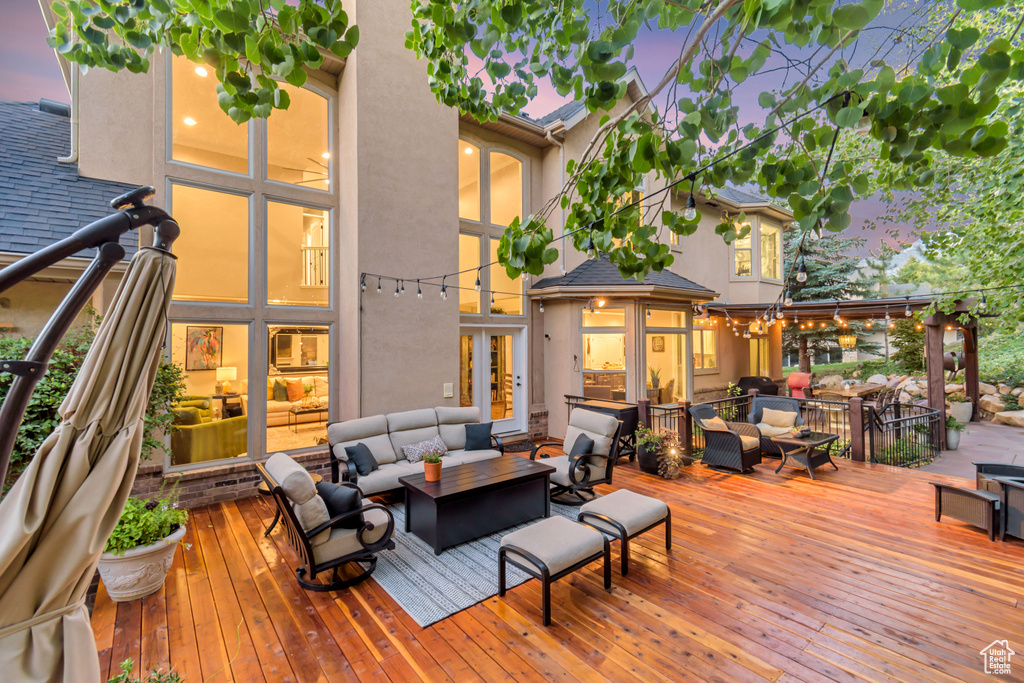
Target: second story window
{"type": "Point", "coordinates": [201, 133]}
{"type": "Point", "coordinates": [298, 143]}
{"type": "Point", "coordinates": [742, 257]}
{"type": "Point", "coordinates": [771, 251]}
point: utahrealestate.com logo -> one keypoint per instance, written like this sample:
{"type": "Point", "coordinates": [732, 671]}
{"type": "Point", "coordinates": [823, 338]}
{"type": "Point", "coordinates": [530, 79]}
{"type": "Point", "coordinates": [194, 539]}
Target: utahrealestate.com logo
{"type": "Point", "coordinates": [997, 657]}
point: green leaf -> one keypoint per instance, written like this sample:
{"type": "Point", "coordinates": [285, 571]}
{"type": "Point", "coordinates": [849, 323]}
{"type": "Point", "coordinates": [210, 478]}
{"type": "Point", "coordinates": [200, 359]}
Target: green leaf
{"type": "Point", "coordinates": [231, 21]}
{"type": "Point", "coordinates": [856, 16]}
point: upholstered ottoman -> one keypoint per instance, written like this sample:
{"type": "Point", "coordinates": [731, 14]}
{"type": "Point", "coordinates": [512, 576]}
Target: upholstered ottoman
{"type": "Point", "coordinates": [550, 549]}
{"type": "Point", "coordinates": [625, 515]}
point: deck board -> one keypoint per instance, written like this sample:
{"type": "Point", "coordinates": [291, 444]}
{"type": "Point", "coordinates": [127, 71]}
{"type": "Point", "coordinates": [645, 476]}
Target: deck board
{"type": "Point", "coordinates": [772, 577]}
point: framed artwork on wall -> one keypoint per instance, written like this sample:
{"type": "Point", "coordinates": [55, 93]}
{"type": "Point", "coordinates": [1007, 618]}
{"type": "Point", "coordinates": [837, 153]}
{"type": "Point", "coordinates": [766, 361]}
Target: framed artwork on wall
{"type": "Point", "coordinates": [657, 342]}
{"type": "Point", "coordinates": [204, 348]}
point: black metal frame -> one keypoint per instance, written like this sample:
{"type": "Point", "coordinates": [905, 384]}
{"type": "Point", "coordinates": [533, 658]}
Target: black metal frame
{"type": "Point", "coordinates": [301, 540]}
{"type": "Point", "coordinates": [573, 494]}
{"type": "Point", "coordinates": [625, 537]}
{"type": "Point", "coordinates": [539, 570]}
{"type": "Point", "coordinates": [809, 456]}
{"type": "Point", "coordinates": [962, 504]}
{"type": "Point", "coordinates": [102, 234]}
{"type": "Point", "coordinates": [723, 448]}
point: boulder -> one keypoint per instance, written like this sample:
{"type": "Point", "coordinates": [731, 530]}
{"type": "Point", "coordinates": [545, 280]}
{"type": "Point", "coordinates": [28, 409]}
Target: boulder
{"type": "Point", "coordinates": [988, 388]}
{"type": "Point", "coordinates": [831, 381]}
{"type": "Point", "coordinates": [856, 373]}
{"type": "Point", "coordinates": [1004, 388]}
{"type": "Point", "coordinates": [913, 389]}
{"type": "Point", "coordinates": [992, 404]}
{"type": "Point", "coordinates": [1017, 392]}
{"type": "Point", "coordinates": [1014, 418]}
{"type": "Point", "coordinates": [905, 397]}
{"type": "Point", "coordinates": [877, 379]}
{"type": "Point", "coordinates": [954, 388]}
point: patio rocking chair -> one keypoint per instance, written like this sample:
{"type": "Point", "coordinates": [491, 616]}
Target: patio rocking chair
{"type": "Point", "coordinates": [323, 542]}
{"type": "Point", "coordinates": [576, 474]}
{"type": "Point", "coordinates": [728, 446]}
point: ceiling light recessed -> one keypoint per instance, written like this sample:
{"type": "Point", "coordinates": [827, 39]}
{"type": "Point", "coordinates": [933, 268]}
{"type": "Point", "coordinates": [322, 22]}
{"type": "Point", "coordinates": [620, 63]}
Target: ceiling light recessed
{"type": "Point", "coordinates": [468, 150]}
{"type": "Point", "coordinates": [189, 121]}
{"type": "Point", "coordinates": [201, 71]}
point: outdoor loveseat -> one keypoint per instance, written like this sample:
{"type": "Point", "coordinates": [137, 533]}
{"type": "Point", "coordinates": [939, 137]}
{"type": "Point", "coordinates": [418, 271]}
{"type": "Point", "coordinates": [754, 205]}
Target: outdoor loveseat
{"type": "Point", "coordinates": [387, 435]}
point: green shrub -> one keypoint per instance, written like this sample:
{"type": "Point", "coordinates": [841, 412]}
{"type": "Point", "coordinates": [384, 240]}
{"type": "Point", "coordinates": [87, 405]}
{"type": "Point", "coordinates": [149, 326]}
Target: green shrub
{"type": "Point", "coordinates": [909, 344]}
{"type": "Point", "coordinates": [1001, 359]}
{"type": "Point", "coordinates": [144, 522]}
{"type": "Point", "coordinates": [41, 416]}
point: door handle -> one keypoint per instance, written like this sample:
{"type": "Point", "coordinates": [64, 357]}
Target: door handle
{"type": "Point", "coordinates": [519, 384]}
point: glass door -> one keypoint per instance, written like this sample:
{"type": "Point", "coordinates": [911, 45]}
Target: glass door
{"type": "Point", "coordinates": [492, 376]}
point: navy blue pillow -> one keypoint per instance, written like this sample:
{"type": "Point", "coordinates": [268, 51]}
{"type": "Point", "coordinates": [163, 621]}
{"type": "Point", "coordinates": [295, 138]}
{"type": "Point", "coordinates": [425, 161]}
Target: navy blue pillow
{"type": "Point", "coordinates": [339, 500]}
{"type": "Point", "coordinates": [584, 445]}
{"type": "Point", "coordinates": [362, 457]}
{"type": "Point", "coordinates": [478, 436]}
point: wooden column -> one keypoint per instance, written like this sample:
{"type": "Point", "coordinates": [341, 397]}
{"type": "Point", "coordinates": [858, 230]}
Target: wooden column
{"type": "Point", "coordinates": [972, 384]}
{"type": "Point", "coordinates": [643, 407]}
{"type": "Point", "coordinates": [857, 448]}
{"type": "Point", "coordinates": [686, 428]}
{"type": "Point", "coordinates": [934, 325]}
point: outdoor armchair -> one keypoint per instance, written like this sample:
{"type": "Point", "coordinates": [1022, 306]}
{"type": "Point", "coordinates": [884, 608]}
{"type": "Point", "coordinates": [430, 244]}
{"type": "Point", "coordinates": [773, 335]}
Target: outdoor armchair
{"type": "Point", "coordinates": [978, 508]}
{"type": "Point", "coordinates": [1013, 509]}
{"type": "Point", "coordinates": [573, 477]}
{"type": "Point", "coordinates": [766, 432]}
{"type": "Point", "coordinates": [732, 446]}
{"type": "Point", "coordinates": [986, 473]}
{"type": "Point", "coordinates": [319, 540]}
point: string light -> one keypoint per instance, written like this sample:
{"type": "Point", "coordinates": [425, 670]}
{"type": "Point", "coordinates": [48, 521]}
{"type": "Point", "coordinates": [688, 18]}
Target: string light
{"type": "Point", "coordinates": [648, 312]}
{"type": "Point", "coordinates": [835, 316]}
{"type": "Point", "coordinates": [396, 290]}
{"type": "Point", "coordinates": [590, 247]}
{"type": "Point", "coordinates": [887, 317]}
{"type": "Point", "coordinates": [444, 288]}
{"type": "Point", "coordinates": [378, 285]}
{"type": "Point", "coordinates": [362, 283]}
{"type": "Point", "coordinates": [419, 292]}
{"type": "Point", "coordinates": [542, 305]}
{"type": "Point", "coordinates": [492, 300]}
{"type": "Point", "coordinates": [691, 204]}
{"type": "Point", "coordinates": [476, 287]}
{"type": "Point", "coordinates": [907, 312]}
{"type": "Point", "coordinates": [984, 304]}
{"type": "Point", "coordinates": [789, 299]}
{"type": "Point", "coordinates": [801, 271]}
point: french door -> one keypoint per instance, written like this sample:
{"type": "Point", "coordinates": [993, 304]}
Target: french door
{"type": "Point", "coordinates": [492, 375]}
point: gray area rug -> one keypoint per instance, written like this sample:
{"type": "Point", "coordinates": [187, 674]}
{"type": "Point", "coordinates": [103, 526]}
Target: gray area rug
{"type": "Point", "coordinates": [431, 587]}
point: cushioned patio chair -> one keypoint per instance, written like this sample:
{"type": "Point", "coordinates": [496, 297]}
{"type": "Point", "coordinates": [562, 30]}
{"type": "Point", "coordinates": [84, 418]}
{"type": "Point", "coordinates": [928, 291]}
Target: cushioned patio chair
{"type": "Point", "coordinates": [728, 446]}
{"type": "Point", "coordinates": [986, 473]}
{"type": "Point", "coordinates": [576, 474]}
{"type": "Point", "coordinates": [978, 508]}
{"type": "Point", "coordinates": [321, 541]}
{"type": "Point", "coordinates": [1013, 509]}
{"type": "Point", "coordinates": [765, 430]}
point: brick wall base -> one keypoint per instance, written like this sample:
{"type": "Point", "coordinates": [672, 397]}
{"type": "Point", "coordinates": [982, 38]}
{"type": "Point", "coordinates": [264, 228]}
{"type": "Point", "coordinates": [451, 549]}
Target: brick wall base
{"type": "Point", "coordinates": [222, 482]}
{"type": "Point", "coordinates": [538, 427]}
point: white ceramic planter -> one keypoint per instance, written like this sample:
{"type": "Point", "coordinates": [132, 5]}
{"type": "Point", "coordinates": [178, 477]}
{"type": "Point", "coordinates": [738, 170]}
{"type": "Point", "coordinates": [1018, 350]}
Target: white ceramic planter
{"type": "Point", "coordinates": [140, 571]}
{"type": "Point", "coordinates": [961, 411]}
{"type": "Point", "coordinates": [952, 439]}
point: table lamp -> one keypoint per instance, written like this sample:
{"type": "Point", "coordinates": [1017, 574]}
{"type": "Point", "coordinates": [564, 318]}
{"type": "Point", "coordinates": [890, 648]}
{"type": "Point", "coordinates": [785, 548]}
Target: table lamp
{"type": "Point", "coordinates": [224, 377]}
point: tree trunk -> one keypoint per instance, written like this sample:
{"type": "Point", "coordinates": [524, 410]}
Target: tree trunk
{"type": "Point", "coordinates": [805, 357]}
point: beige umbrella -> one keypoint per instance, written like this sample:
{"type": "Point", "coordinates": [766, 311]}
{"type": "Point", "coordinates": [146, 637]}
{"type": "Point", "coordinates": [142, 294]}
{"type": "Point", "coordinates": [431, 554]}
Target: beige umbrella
{"type": "Point", "coordinates": [59, 514]}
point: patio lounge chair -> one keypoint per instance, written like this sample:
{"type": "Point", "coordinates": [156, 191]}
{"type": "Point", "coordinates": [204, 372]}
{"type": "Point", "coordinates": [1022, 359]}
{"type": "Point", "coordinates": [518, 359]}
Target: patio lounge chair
{"type": "Point", "coordinates": [576, 475]}
{"type": "Point", "coordinates": [986, 473]}
{"type": "Point", "coordinates": [767, 431]}
{"type": "Point", "coordinates": [318, 539]}
{"type": "Point", "coordinates": [732, 446]}
{"type": "Point", "coordinates": [978, 508]}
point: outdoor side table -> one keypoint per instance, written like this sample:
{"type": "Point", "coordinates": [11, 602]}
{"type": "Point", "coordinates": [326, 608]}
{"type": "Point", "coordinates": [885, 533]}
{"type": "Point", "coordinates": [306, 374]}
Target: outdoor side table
{"type": "Point", "coordinates": [808, 452]}
{"type": "Point", "coordinates": [264, 490]}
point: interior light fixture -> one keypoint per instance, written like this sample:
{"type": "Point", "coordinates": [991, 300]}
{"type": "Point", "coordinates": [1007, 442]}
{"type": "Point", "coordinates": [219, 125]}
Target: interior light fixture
{"type": "Point", "coordinates": [201, 71]}
{"type": "Point", "coordinates": [468, 150]}
{"type": "Point", "coordinates": [189, 121]}
{"type": "Point", "coordinates": [419, 290]}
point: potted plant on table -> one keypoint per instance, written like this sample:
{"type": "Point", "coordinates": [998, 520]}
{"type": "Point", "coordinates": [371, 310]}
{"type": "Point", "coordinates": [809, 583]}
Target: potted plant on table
{"type": "Point", "coordinates": [307, 390]}
{"type": "Point", "coordinates": [960, 407]}
{"type": "Point", "coordinates": [140, 550]}
{"type": "Point", "coordinates": [432, 465]}
{"type": "Point", "coordinates": [953, 429]}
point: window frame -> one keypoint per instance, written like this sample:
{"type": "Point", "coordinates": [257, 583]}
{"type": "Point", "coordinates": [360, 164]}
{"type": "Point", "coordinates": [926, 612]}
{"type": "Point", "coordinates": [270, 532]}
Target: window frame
{"type": "Point", "coordinates": [762, 224]}
{"type": "Point", "coordinates": [698, 329]}
{"type": "Point", "coordinates": [481, 238]}
{"type": "Point", "coordinates": [263, 175]}
{"type": "Point", "coordinates": [611, 329]}
{"type": "Point", "coordinates": [754, 262]}
{"type": "Point", "coordinates": [331, 232]}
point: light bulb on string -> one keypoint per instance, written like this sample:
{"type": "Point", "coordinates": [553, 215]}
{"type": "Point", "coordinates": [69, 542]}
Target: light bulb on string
{"type": "Point", "coordinates": [362, 283]}
{"type": "Point", "coordinates": [590, 247]}
{"type": "Point", "coordinates": [524, 275]}
{"type": "Point", "coordinates": [492, 301]}
{"type": "Point", "coordinates": [542, 305]}
{"type": "Point", "coordinates": [476, 287]}
{"type": "Point", "coordinates": [378, 285]}
{"type": "Point", "coordinates": [801, 271]}
{"type": "Point", "coordinates": [984, 304]}
{"type": "Point", "coordinates": [648, 312]}
{"type": "Point", "coordinates": [403, 286]}
{"type": "Point", "coordinates": [691, 209]}
{"type": "Point", "coordinates": [444, 289]}
{"type": "Point", "coordinates": [789, 299]}
{"type": "Point", "coordinates": [835, 316]}
{"type": "Point", "coordinates": [887, 316]}
{"type": "Point", "coordinates": [419, 291]}
{"type": "Point", "coordinates": [396, 289]}
{"type": "Point", "coordinates": [907, 311]}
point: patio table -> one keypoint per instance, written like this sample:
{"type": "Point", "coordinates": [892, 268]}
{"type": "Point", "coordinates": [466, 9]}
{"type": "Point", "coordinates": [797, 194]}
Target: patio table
{"type": "Point", "coordinates": [861, 390]}
{"type": "Point", "coordinates": [807, 450]}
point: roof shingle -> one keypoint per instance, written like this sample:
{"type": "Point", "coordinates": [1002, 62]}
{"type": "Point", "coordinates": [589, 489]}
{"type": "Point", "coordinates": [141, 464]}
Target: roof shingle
{"type": "Point", "coordinates": [42, 201]}
{"type": "Point", "coordinates": [603, 273]}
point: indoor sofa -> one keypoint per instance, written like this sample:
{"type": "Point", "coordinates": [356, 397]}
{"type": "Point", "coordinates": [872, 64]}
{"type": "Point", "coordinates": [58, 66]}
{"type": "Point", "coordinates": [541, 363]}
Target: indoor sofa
{"type": "Point", "coordinates": [386, 435]}
{"type": "Point", "coordinates": [277, 411]}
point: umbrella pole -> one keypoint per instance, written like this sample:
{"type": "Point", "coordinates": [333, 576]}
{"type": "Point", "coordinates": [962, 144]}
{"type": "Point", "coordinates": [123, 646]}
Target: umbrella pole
{"type": "Point", "coordinates": [29, 371]}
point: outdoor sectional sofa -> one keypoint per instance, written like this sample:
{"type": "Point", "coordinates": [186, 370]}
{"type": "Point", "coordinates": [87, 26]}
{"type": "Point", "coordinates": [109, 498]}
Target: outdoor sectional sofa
{"type": "Point", "coordinates": [386, 435]}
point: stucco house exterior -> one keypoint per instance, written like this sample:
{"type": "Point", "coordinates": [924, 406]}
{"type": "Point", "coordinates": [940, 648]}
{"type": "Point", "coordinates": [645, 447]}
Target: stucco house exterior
{"type": "Point", "coordinates": [291, 225]}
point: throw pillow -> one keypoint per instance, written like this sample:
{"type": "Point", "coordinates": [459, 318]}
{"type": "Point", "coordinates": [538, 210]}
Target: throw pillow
{"type": "Point", "coordinates": [583, 445]}
{"type": "Point", "coordinates": [478, 436]}
{"type": "Point", "coordinates": [280, 391]}
{"type": "Point", "coordinates": [339, 500]}
{"type": "Point", "coordinates": [320, 387]}
{"type": "Point", "coordinates": [362, 457]}
{"type": "Point", "coordinates": [414, 452]}
{"type": "Point", "coordinates": [295, 392]}
{"type": "Point", "coordinates": [714, 423]}
{"type": "Point", "coordinates": [778, 418]}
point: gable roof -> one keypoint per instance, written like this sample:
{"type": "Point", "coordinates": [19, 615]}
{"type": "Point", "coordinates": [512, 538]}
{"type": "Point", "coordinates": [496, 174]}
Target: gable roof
{"type": "Point", "coordinates": [42, 201]}
{"type": "Point", "coordinates": [596, 274]}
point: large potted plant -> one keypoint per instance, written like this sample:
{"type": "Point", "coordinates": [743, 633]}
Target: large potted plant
{"type": "Point", "coordinates": [659, 452]}
{"type": "Point", "coordinates": [953, 429]}
{"type": "Point", "coordinates": [139, 552]}
{"type": "Point", "coordinates": [960, 407]}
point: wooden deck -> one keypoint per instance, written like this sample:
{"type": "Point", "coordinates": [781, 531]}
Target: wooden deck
{"type": "Point", "coordinates": [771, 577]}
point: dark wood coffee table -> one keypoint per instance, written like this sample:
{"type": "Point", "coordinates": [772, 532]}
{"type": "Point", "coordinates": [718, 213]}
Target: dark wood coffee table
{"type": "Point", "coordinates": [476, 499]}
{"type": "Point", "coordinates": [807, 450]}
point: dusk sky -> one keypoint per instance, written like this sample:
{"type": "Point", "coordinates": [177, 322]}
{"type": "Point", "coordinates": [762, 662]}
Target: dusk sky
{"type": "Point", "coordinates": [31, 72]}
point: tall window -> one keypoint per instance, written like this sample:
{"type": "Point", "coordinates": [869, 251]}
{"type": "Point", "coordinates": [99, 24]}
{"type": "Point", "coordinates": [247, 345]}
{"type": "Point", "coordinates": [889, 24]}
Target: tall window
{"type": "Point", "coordinates": [507, 291]}
{"type": "Point", "coordinates": [506, 189]}
{"type": "Point", "coordinates": [771, 251]}
{"type": "Point", "coordinates": [469, 181]}
{"type": "Point", "coordinates": [298, 255]}
{"type": "Point", "coordinates": [469, 261]}
{"type": "Point", "coordinates": [759, 357]}
{"type": "Point", "coordinates": [666, 356]}
{"type": "Point", "coordinates": [298, 140]}
{"type": "Point", "coordinates": [604, 353]}
{"type": "Point", "coordinates": [213, 250]}
{"type": "Point", "coordinates": [201, 133]}
{"type": "Point", "coordinates": [742, 256]}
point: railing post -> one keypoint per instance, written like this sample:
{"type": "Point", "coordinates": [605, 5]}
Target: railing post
{"type": "Point", "coordinates": [686, 428]}
{"type": "Point", "coordinates": [643, 407]}
{"type": "Point", "coordinates": [857, 429]}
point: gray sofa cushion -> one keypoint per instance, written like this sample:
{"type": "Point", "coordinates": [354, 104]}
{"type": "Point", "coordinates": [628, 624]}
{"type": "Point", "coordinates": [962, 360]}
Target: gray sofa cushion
{"type": "Point", "coordinates": [343, 542]}
{"type": "Point", "coordinates": [411, 426]}
{"type": "Point", "coordinates": [451, 423]}
{"type": "Point", "coordinates": [372, 431]}
{"type": "Point", "coordinates": [386, 478]}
